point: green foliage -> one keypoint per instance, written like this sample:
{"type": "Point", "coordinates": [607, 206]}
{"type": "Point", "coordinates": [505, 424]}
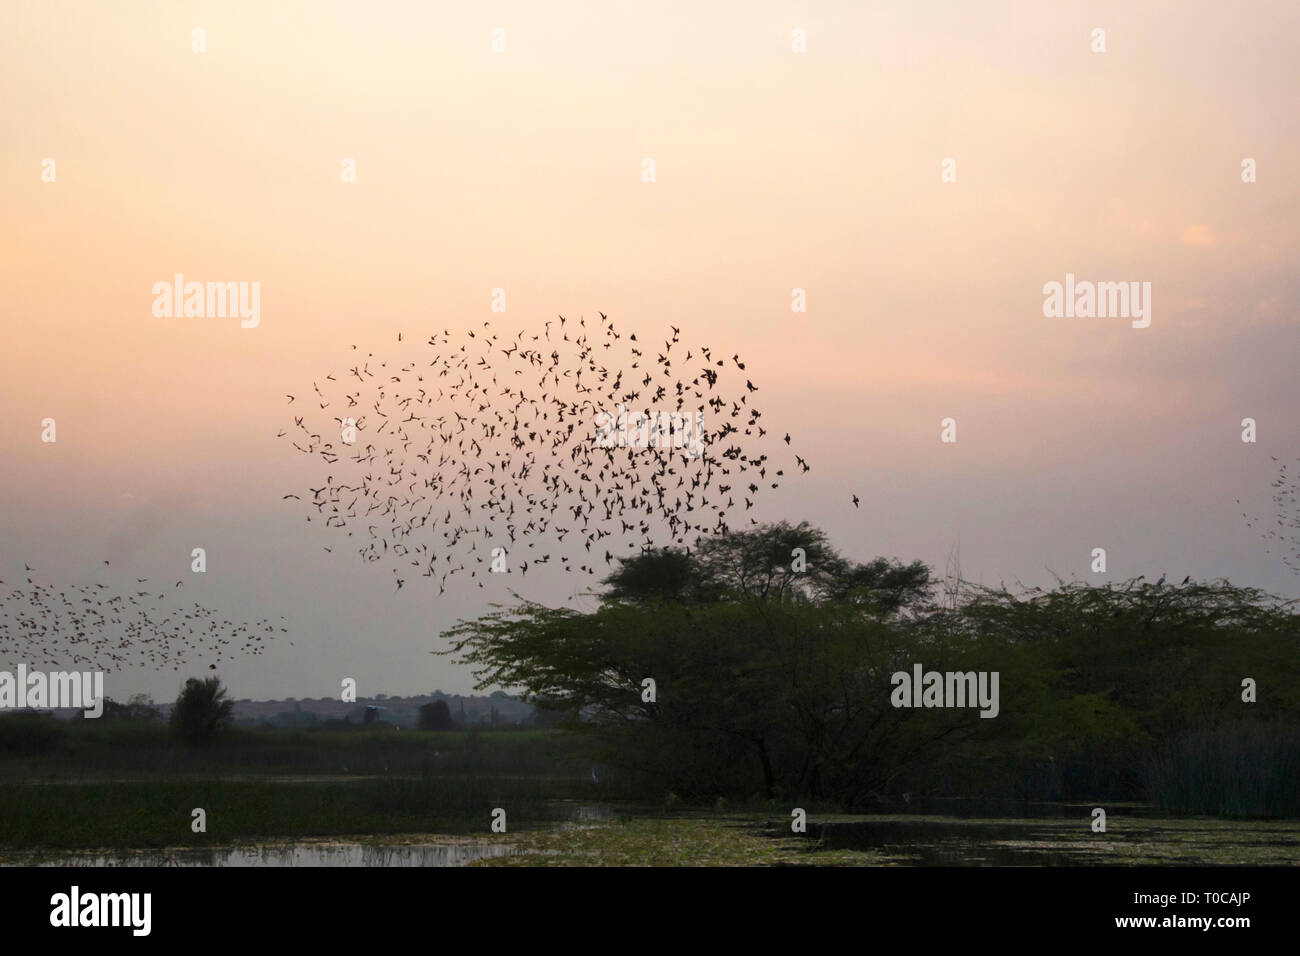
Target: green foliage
{"type": "Point", "coordinates": [436, 716]}
{"type": "Point", "coordinates": [775, 682]}
{"type": "Point", "coordinates": [662, 575]}
{"type": "Point", "coordinates": [126, 814]}
{"type": "Point", "coordinates": [139, 707]}
{"type": "Point", "coordinates": [761, 564]}
{"type": "Point", "coordinates": [201, 710]}
{"type": "Point", "coordinates": [1238, 770]}
{"type": "Point", "coordinates": [31, 735]}
{"type": "Point", "coordinates": [120, 750]}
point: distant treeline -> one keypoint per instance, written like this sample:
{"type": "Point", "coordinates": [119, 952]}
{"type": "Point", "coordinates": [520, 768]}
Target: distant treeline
{"type": "Point", "coordinates": [436, 711]}
{"type": "Point", "coordinates": [760, 664]}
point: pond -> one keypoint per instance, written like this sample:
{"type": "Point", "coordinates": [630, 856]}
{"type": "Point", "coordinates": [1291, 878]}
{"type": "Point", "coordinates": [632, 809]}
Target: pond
{"type": "Point", "coordinates": [1048, 840]}
{"type": "Point", "coordinates": [298, 854]}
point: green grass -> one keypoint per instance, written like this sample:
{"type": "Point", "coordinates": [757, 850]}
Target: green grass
{"type": "Point", "coordinates": [48, 749]}
{"type": "Point", "coordinates": [1242, 771]}
{"type": "Point", "coordinates": [39, 821]}
{"type": "Point", "coordinates": [158, 813]}
{"type": "Point", "coordinates": [118, 785]}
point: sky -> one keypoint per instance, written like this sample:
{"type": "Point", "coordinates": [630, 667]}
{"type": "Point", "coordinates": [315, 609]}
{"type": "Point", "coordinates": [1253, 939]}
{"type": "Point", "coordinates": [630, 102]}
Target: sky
{"type": "Point", "coordinates": [522, 169]}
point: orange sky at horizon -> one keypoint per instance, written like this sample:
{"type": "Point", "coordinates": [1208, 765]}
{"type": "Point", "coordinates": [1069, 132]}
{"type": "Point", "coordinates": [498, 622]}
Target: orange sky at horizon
{"type": "Point", "coordinates": [522, 170]}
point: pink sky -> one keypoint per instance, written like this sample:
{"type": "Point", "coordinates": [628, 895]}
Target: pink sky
{"type": "Point", "coordinates": [775, 170]}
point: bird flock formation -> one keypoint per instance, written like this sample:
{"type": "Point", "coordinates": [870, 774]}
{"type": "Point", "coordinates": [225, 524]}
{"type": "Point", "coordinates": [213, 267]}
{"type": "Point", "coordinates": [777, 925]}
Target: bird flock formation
{"type": "Point", "coordinates": [480, 440]}
{"type": "Point", "coordinates": [105, 627]}
{"type": "Point", "coordinates": [1285, 537]}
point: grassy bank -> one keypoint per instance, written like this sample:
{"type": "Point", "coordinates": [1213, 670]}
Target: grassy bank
{"type": "Point", "coordinates": [158, 813]}
{"type": "Point", "coordinates": [35, 747]}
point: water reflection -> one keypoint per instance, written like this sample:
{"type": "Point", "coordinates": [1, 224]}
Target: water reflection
{"type": "Point", "coordinates": [324, 854]}
{"type": "Point", "coordinates": [308, 854]}
{"type": "Point", "coordinates": [1001, 843]}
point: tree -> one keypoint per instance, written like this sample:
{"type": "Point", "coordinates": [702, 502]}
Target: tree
{"type": "Point", "coordinates": [773, 562]}
{"type": "Point", "coordinates": [778, 681]}
{"type": "Point", "coordinates": [139, 707]}
{"type": "Point", "coordinates": [201, 710]}
{"type": "Point", "coordinates": [436, 716]}
{"type": "Point", "coordinates": [888, 586]}
{"type": "Point", "coordinates": [665, 574]}
{"type": "Point", "coordinates": [752, 696]}
{"type": "Point", "coordinates": [768, 666]}
{"type": "Point", "coordinates": [112, 710]}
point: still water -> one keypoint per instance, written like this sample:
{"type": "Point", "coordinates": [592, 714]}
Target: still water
{"type": "Point", "coordinates": [452, 853]}
{"type": "Point", "coordinates": [303, 854]}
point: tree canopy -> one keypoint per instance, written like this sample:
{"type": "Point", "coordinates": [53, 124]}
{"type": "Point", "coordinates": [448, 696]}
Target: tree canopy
{"type": "Point", "coordinates": [201, 709]}
{"type": "Point", "coordinates": [738, 668]}
{"type": "Point", "coordinates": [773, 562]}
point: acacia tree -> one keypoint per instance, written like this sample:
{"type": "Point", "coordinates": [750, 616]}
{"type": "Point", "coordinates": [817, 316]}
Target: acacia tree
{"type": "Point", "coordinates": [749, 696]}
{"type": "Point", "coordinates": [773, 562]}
{"type": "Point", "coordinates": [666, 574]}
{"type": "Point", "coordinates": [770, 674]}
{"type": "Point", "coordinates": [766, 685]}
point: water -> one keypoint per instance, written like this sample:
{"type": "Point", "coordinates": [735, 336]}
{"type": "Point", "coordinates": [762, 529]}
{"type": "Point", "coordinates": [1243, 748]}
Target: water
{"type": "Point", "coordinates": [459, 853]}
{"type": "Point", "coordinates": [1057, 840]}
{"type": "Point", "coordinates": [925, 843]}
{"type": "Point", "coordinates": [301, 854]}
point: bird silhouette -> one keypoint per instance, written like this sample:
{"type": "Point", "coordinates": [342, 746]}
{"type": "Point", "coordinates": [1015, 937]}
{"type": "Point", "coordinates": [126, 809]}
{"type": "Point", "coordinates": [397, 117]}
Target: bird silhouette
{"type": "Point", "coordinates": [1280, 531]}
{"type": "Point", "coordinates": [103, 626]}
{"type": "Point", "coordinates": [489, 439]}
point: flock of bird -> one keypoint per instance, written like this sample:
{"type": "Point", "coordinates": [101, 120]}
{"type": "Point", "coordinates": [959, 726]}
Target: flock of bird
{"type": "Point", "coordinates": [105, 627]}
{"type": "Point", "coordinates": [480, 441]}
{"type": "Point", "coordinates": [1286, 535]}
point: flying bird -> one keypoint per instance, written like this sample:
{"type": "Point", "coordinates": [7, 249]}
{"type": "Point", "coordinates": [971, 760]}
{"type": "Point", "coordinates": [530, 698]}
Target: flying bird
{"type": "Point", "coordinates": [458, 444]}
{"type": "Point", "coordinates": [98, 626]}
